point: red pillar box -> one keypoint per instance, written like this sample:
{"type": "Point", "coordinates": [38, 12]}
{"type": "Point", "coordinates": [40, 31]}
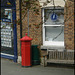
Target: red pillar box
{"type": "Point", "coordinates": [26, 51]}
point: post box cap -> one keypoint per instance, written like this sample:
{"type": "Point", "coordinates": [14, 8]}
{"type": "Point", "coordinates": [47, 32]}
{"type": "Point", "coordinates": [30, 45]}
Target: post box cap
{"type": "Point", "coordinates": [26, 38]}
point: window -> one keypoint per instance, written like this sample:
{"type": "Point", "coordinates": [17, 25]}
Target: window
{"type": "Point", "coordinates": [53, 26]}
{"type": "Point", "coordinates": [6, 13]}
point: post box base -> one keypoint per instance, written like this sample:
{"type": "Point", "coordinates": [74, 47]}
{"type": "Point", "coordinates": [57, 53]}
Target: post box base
{"type": "Point", "coordinates": [35, 62]}
{"type": "Point", "coordinates": [26, 66]}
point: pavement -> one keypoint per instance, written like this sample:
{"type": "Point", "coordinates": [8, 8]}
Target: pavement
{"type": "Point", "coordinates": [8, 67]}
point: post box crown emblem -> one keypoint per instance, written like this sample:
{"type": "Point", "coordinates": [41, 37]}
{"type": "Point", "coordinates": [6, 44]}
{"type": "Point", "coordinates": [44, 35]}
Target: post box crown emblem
{"type": "Point", "coordinates": [26, 38]}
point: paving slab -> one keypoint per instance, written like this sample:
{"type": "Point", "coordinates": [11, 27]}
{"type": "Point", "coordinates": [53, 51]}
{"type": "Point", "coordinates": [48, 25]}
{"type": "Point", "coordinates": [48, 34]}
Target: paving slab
{"type": "Point", "coordinates": [8, 67]}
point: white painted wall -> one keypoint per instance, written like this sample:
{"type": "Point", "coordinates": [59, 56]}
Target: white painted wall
{"type": "Point", "coordinates": [57, 3]}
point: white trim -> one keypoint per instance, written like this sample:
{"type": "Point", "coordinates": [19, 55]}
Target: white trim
{"type": "Point", "coordinates": [52, 47]}
{"type": "Point", "coordinates": [53, 25]}
{"type": "Point", "coordinates": [52, 43]}
{"type": "Point", "coordinates": [8, 9]}
{"type": "Point", "coordinates": [43, 25]}
{"type": "Point", "coordinates": [7, 54]}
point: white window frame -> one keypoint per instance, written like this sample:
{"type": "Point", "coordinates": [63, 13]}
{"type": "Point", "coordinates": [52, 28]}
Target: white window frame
{"type": "Point", "coordinates": [50, 43]}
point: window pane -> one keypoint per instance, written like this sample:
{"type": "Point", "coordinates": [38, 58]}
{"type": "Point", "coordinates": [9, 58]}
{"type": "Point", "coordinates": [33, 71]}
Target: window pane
{"type": "Point", "coordinates": [51, 32]}
{"type": "Point", "coordinates": [6, 14]}
{"type": "Point", "coordinates": [58, 21]}
{"type": "Point", "coordinates": [7, 44]}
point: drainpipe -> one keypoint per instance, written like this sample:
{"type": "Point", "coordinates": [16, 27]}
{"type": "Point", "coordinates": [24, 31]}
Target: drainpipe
{"type": "Point", "coordinates": [28, 21]}
{"type": "Point", "coordinates": [20, 1]}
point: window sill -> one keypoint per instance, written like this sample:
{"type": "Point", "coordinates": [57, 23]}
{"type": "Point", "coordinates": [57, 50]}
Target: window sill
{"type": "Point", "coordinates": [52, 47]}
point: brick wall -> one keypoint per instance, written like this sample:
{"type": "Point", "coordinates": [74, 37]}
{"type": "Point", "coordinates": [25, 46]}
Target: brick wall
{"type": "Point", "coordinates": [35, 31]}
{"type": "Point", "coordinates": [18, 28]}
{"type": "Point", "coordinates": [69, 25]}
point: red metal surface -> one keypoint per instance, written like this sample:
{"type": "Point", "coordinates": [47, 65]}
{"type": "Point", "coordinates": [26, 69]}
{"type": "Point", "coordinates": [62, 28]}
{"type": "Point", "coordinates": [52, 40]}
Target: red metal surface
{"type": "Point", "coordinates": [26, 38]}
{"type": "Point", "coordinates": [26, 50]}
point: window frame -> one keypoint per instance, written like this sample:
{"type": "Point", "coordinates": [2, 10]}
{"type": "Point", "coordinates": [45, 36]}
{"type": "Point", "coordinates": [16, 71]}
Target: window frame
{"type": "Point", "coordinates": [53, 43]}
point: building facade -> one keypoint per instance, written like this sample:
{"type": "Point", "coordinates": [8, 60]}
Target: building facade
{"type": "Point", "coordinates": [53, 28]}
{"type": "Point", "coordinates": [50, 25]}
